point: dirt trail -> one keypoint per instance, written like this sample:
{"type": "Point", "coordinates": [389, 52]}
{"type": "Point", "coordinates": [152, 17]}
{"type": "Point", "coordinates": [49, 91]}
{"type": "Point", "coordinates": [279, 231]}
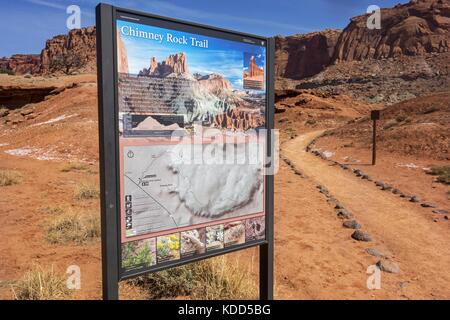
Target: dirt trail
{"type": "Point", "coordinates": [420, 246]}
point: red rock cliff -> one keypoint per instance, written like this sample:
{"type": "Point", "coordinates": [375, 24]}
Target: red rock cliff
{"type": "Point", "coordinates": [78, 42]}
{"type": "Point", "coordinates": [301, 56]}
{"type": "Point", "coordinates": [21, 63]}
{"type": "Point", "coordinates": [412, 29]}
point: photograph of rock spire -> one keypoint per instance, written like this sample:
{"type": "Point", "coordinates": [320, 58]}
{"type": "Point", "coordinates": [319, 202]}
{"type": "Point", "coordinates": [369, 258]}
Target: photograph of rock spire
{"type": "Point", "coordinates": [253, 71]}
{"type": "Point", "coordinates": [173, 81]}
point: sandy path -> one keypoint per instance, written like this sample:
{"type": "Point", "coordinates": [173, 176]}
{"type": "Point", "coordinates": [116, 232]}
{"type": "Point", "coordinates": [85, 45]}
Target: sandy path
{"type": "Point", "coordinates": [420, 246]}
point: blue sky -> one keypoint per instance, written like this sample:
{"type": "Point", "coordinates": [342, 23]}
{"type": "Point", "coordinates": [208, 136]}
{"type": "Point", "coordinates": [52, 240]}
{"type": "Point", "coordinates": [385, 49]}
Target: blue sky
{"type": "Point", "coordinates": [26, 24]}
{"type": "Point", "coordinates": [223, 57]}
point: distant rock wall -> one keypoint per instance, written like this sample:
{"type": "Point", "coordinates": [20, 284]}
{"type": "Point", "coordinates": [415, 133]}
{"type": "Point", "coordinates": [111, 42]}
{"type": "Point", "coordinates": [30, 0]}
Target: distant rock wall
{"type": "Point", "coordinates": [416, 28]}
{"type": "Point", "coordinates": [301, 56]}
{"type": "Point", "coordinates": [21, 63]}
{"type": "Point", "coordinates": [412, 29]}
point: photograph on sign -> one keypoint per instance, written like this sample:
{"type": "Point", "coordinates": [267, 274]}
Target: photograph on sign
{"type": "Point", "coordinates": [191, 109]}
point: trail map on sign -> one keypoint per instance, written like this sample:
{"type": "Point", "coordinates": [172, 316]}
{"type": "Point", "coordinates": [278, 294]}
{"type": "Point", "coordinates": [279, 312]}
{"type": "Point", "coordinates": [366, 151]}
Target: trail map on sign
{"type": "Point", "coordinates": [164, 191]}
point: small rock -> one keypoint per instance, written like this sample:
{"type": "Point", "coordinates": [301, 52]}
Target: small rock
{"type": "Point", "coordinates": [361, 236]}
{"type": "Point", "coordinates": [414, 199]}
{"type": "Point", "coordinates": [428, 205]}
{"type": "Point", "coordinates": [365, 177]}
{"type": "Point", "coordinates": [446, 217]}
{"type": "Point", "coordinates": [440, 211]}
{"type": "Point", "coordinates": [344, 166]}
{"type": "Point", "coordinates": [396, 191]}
{"type": "Point", "coordinates": [344, 214]}
{"type": "Point", "coordinates": [351, 224]}
{"type": "Point", "coordinates": [338, 206]}
{"type": "Point", "coordinates": [388, 266]}
{"type": "Point", "coordinates": [386, 187]}
{"type": "Point", "coordinates": [375, 252]}
{"type": "Point", "coordinates": [379, 183]}
{"type": "Point", "coordinates": [357, 172]}
{"type": "Point", "coordinates": [404, 284]}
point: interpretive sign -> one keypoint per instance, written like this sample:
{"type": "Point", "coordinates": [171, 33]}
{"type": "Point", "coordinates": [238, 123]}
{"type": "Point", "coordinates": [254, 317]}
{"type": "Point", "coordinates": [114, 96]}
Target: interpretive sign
{"type": "Point", "coordinates": [185, 118]}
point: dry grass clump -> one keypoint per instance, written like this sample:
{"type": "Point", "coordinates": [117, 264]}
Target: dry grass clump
{"type": "Point", "coordinates": [443, 173]}
{"type": "Point", "coordinates": [40, 284]}
{"type": "Point", "coordinates": [75, 166]}
{"type": "Point", "coordinates": [73, 227]}
{"type": "Point", "coordinates": [9, 178]}
{"type": "Point", "coordinates": [211, 279]}
{"type": "Point", "coordinates": [86, 192]}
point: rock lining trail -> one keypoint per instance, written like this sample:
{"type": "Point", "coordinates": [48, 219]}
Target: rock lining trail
{"type": "Point", "coordinates": [418, 245]}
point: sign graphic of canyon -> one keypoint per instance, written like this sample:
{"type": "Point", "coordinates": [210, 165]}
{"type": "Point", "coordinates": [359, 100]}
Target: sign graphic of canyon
{"type": "Point", "coordinates": [169, 87]}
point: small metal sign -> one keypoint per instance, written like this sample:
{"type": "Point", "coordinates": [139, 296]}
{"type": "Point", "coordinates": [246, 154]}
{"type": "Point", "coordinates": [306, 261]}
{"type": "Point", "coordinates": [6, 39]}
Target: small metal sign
{"type": "Point", "coordinates": [375, 114]}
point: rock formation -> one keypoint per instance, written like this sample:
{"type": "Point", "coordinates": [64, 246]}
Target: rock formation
{"type": "Point", "coordinates": [78, 42]}
{"type": "Point", "coordinates": [412, 29]}
{"type": "Point", "coordinates": [175, 63]}
{"type": "Point", "coordinates": [21, 63]}
{"type": "Point", "coordinates": [301, 56]}
{"type": "Point", "coordinates": [215, 83]}
{"type": "Point", "coordinates": [416, 28]}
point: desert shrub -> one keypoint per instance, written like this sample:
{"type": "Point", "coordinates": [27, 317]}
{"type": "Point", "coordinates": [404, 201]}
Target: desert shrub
{"type": "Point", "coordinates": [443, 173]}
{"type": "Point", "coordinates": [133, 256]}
{"type": "Point", "coordinates": [210, 279]}
{"type": "Point", "coordinates": [7, 71]}
{"type": "Point", "coordinates": [9, 178]}
{"type": "Point", "coordinates": [73, 227]}
{"type": "Point", "coordinates": [75, 166]}
{"type": "Point", "coordinates": [40, 284]}
{"type": "Point", "coordinates": [86, 192]}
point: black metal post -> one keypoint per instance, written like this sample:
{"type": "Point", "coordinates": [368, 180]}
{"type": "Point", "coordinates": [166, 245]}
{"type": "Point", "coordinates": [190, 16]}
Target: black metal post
{"type": "Point", "coordinates": [374, 142]}
{"type": "Point", "coordinates": [107, 146]}
{"type": "Point", "coordinates": [266, 254]}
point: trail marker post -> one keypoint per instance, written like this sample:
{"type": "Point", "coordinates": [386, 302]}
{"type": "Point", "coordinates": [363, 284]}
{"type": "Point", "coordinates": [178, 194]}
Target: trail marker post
{"type": "Point", "coordinates": [374, 115]}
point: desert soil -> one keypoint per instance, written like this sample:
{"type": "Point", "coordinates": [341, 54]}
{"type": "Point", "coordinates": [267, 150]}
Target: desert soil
{"type": "Point", "coordinates": [311, 239]}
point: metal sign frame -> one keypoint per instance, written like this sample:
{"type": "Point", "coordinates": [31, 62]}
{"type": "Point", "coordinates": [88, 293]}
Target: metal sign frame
{"type": "Point", "coordinates": [109, 156]}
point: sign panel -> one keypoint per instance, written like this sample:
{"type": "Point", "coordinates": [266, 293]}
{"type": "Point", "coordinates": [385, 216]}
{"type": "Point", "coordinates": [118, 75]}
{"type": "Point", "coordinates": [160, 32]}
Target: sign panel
{"type": "Point", "coordinates": [191, 137]}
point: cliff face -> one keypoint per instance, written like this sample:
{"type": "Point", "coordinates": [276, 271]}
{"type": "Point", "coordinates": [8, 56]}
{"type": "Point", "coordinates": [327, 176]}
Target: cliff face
{"type": "Point", "coordinates": [78, 42]}
{"type": "Point", "coordinates": [21, 63]}
{"type": "Point", "coordinates": [412, 29]}
{"type": "Point", "coordinates": [301, 56]}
